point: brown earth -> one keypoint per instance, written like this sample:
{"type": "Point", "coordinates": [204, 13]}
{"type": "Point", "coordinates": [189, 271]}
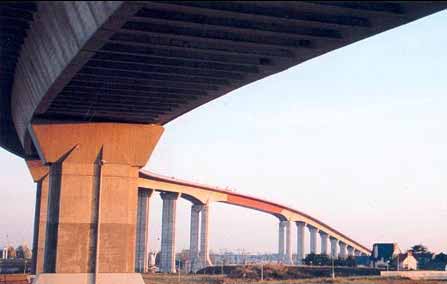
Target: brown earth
{"type": "Point", "coordinates": [218, 279]}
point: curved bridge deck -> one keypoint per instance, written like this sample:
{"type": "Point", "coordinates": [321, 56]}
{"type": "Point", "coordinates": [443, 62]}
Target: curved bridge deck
{"type": "Point", "coordinates": [206, 194]}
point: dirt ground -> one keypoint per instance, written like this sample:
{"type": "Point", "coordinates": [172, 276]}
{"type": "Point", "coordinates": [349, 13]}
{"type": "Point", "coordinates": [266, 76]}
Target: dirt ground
{"type": "Point", "coordinates": [214, 279]}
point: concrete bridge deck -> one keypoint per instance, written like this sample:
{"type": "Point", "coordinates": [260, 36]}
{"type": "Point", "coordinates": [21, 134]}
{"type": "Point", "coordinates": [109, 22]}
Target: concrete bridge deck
{"type": "Point", "coordinates": [208, 194]}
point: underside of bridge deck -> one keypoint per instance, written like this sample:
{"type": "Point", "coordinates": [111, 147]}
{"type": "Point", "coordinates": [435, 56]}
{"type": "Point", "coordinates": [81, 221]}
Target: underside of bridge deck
{"type": "Point", "coordinates": [150, 62]}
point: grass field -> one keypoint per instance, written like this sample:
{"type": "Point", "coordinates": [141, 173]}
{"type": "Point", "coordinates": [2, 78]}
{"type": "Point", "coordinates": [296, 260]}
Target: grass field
{"type": "Point", "coordinates": [214, 279]}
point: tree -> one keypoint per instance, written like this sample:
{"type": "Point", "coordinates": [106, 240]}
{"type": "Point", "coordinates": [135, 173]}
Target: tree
{"type": "Point", "coordinates": [317, 259]}
{"type": "Point", "coordinates": [442, 258]}
{"type": "Point", "coordinates": [423, 256]}
{"type": "Point", "coordinates": [419, 249]}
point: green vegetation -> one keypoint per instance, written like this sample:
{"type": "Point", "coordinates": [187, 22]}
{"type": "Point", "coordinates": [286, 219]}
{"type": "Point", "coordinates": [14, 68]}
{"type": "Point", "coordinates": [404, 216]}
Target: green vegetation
{"type": "Point", "coordinates": [428, 260]}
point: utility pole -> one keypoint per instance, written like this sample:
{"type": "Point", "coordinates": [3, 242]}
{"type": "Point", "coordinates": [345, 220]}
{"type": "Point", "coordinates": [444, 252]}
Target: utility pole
{"type": "Point", "coordinates": [262, 271]}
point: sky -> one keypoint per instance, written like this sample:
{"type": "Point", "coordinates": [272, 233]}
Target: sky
{"type": "Point", "coordinates": [356, 138]}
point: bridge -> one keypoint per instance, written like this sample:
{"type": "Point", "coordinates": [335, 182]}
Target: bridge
{"type": "Point", "coordinates": [203, 196]}
{"type": "Point", "coordinates": [87, 87]}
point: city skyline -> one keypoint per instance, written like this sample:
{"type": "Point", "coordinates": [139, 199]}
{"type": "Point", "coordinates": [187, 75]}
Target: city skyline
{"type": "Point", "coordinates": [346, 122]}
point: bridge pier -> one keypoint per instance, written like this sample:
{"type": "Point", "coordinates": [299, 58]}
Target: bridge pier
{"type": "Point", "coordinates": [313, 239]}
{"type": "Point", "coordinates": [357, 252]}
{"type": "Point", "coordinates": [350, 251]}
{"type": "Point", "coordinates": [92, 199]}
{"type": "Point", "coordinates": [194, 237]}
{"type": "Point", "coordinates": [342, 253]}
{"type": "Point", "coordinates": [39, 173]}
{"type": "Point", "coordinates": [204, 237]}
{"type": "Point", "coordinates": [334, 242]}
{"type": "Point", "coordinates": [167, 260]}
{"type": "Point", "coordinates": [324, 242]}
{"type": "Point", "coordinates": [281, 240]}
{"type": "Point", "coordinates": [142, 237]}
{"type": "Point", "coordinates": [300, 242]}
{"type": "Point", "coordinates": [289, 255]}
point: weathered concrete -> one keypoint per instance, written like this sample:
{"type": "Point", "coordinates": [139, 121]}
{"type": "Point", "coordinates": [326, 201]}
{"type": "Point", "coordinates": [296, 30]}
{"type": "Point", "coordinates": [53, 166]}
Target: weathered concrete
{"type": "Point", "coordinates": [313, 239]}
{"type": "Point", "coordinates": [334, 249]}
{"type": "Point", "coordinates": [324, 242]}
{"type": "Point", "coordinates": [281, 240]}
{"type": "Point", "coordinates": [59, 43]}
{"type": "Point", "coordinates": [194, 237]}
{"type": "Point", "coordinates": [204, 236]}
{"type": "Point", "coordinates": [73, 47]}
{"type": "Point", "coordinates": [39, 173]}
{"type": "Point", "coordinates": [342, 253]}
{"type": "Point", "coordinates": [300, 242]}
{"type": "Point", "coordinates": [93, 178]}
{"type": "Point", "coordinates": [142, 237]}
{"type": "Point", "coordinates": [88, 278]}
{"type": "Point", "coordinates": [289, 255]}
{"type": "Point", "coordinates": [167, 260]}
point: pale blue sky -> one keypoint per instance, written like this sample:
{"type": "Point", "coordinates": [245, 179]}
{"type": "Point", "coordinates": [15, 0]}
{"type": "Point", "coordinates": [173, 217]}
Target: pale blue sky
{"type": "Point", "coordinates": [356, 138]}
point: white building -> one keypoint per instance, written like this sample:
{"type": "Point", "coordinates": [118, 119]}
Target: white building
{"type": "Point", "coordinates": [5, 253]}
{"type": "Point", "coordinates": [407, 261]}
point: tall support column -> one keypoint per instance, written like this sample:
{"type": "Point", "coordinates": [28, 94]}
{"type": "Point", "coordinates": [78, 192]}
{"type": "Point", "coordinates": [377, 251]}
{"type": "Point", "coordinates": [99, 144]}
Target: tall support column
{"type": "Point", "coordinates": [39, 172]}
{"type": "Point", "coordinates": [350, 251]}
{"type": "Point", "coordinates": [92, 199]}
{"type": "Point", "coordinates": [204, 237]}
{"type": "Point", "coordinates": [357, 253]}
{"type": "Point", "coordinates": [281, 240]}
{"type": "Point", "coordinates": [313, 239]}
{"type": "Point", "coordinates": [342, 253]}
{"type": "Point", "coordinates": [324, 242]}
{"type": "Point", "coordinates": [300, 242]}
{"type": "Point", "coordinates": [141, 247]}
{"type": "Point", "coordinates": [167, 260]}
{"type": "Point", "coordinates": [289, 257]}
{"type": "Point", "coordinates": [194, 237]}
{"type": "Point", "coordinates": [334, 242]}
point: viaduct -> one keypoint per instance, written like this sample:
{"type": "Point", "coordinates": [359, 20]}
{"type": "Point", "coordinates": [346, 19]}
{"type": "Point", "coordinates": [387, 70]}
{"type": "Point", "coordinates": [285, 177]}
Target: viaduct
{"type": "Point", "coordinates": [86, 88]}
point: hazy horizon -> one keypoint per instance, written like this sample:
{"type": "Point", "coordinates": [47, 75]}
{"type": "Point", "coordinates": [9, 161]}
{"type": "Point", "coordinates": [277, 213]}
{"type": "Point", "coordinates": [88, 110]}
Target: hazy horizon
{"type": "Point", "coordinates": [354, 138]}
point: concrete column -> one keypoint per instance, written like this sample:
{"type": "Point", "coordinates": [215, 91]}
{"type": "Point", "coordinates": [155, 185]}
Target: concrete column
{"type": "Point", "coordinates": [204, 237]}
{"type": "Point", "coordinates": [300, 242]}
{"type": "Point", "coordinates": [350, 251]}
{"type": "Point", "coordinates": [167, 260]}
{"type": "Point", "coordinates": [324, 242]}
{"type": "Point", "coordinates": [334, 242]}
{"type": "Point", "coordinates": [289, 256]}
{"type": "Point", "coordinates": [281, 240]}
{"type": "Point", "coordinates": [142, 237]}
{"type": "Point", "coordinates": [194, 237]}
{"type": "Point", "coordinates": [90, 232]}
{"type": "Point", "coordinates": [357, 252]}
{"type": "Point", "coordinates": [313, 239]}
{"type": "Point", "coordinates": [342, 253]}
{"type": "Point", "coordinates": [39, 172]}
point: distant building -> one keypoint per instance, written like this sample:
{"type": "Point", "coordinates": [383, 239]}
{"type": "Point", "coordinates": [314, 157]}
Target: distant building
{"type": "Point", "coordinates": [11, 252]}
{"type": "Point", "coordinates": [363, 261]}
{"type": "Point", "coordinates": [8, 252]}
{"type": "Point", "coordinates": [5, 253]}
{"type": "Point", "coordinates": [407, 261]}
{"type": "Point", "coordinates": [23, 251]}
{"type": "Point", "coordinates": [383, 254]}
